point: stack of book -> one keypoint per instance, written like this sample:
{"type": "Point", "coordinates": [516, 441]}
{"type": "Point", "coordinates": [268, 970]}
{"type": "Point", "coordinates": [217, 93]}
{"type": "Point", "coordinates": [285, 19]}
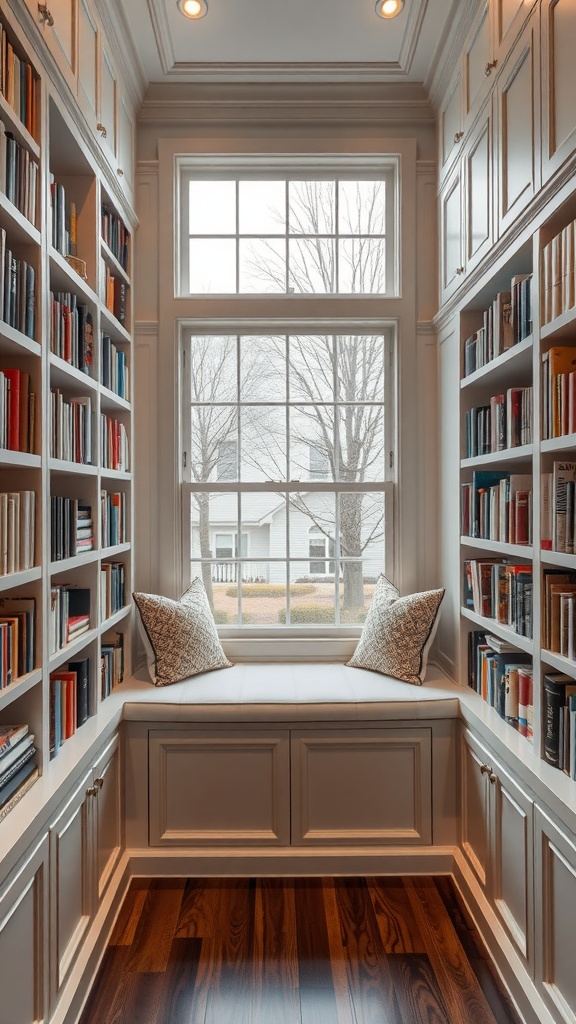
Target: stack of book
{"type": "Point", "coordinates": [69, 615]}
{"type": "Point", "coordinates": [17, 410]}
{"type": "Point", "coordinates": [17, 290]}
{"type": "Point", "coordinates": [559, 721]}
{"type": "Point", "coordinates": [114, 368]}
{"type": "Point", "coordinates": [64, 220]}
{"type": "Point", "coordinates": [115, 296]}
{"type": "Point", "coordinates": [112, 593]}
{"type": "Point", "coordinates": [71, 528]}
{"type": "Point", "coordinates": [113, 514]}
{"type": "Point", "coordinates": [17, 638]}
{"type": "Point", "coordinates": [18, 83]}
{"type": "Point", "coordinates": [497, 505]}
{"type": "Point", "coordinates": [71, 331]}
{"type": "Point", "coordinates": [498, 590]}
{"type": "Point", "coordinates": [114, 444]}
{"type": "Point", "coordinates": [71, 428]}
{"type": "Point", "coordinates": [111, 662]}
{"type": "Point", "coordinates": [502, 675]}
{"type": "Point", "coordinates": [116, 236]}
{"type": "Point", "coordinates": [506, 422]}
{"type": "Point", "coordinates": [558, 612]}
{"type": "Point", "coordinates": [505, 323]}
{"type": "Point", "coordinates": [17, 531]}
{"type": "Point", "coordinates": [18, 771]}
{"type": "Point", "coordinates": [69, 702]}
{"type": "Point", "coordinates": [558, 274]}
{"type": "Point", "coordinates": [18, 175]}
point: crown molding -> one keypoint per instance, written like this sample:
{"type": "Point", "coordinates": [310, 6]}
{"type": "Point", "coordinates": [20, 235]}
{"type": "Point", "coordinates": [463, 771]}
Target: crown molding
{"type": "Point", "coordinates": [416, 13]}
{"type": "Point", "coordinates": [162, 37]}
{"type": "Point", "coordinates": [119, 38]}
{"type": "Point", "coordinates": [450, 49]}
{"type": "Point", "coordinates": [287, 71]}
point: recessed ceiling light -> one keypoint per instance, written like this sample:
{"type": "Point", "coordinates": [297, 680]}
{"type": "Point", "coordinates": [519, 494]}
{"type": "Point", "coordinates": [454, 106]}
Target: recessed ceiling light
{"type": "Point", "coordinates": [389, 8]}
{"type": "Point", "coordinates": [192, 8]}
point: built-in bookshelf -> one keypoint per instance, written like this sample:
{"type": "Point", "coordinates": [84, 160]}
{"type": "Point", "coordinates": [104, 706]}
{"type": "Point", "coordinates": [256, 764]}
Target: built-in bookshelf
{"type": "Point", "coordinates": [65, 422]}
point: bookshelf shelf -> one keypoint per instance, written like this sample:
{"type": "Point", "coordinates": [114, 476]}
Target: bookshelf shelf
{"type": "Point", "coordinates": [558, 558]}
{"type": "Point", "coordinates": [482, 622]}
{"type": "Point", "coordinates": [559, 662]}
{"type": "Point", "coordinates": [23, 460]}
{"type": "Point", "coordinates": [20, 579]}
{"type": "Point", "coordinates": [558, 444]}
{"type": "Point", "coordinates": [112, 326]}
{"type": "Point", "coordinates": [70, 651]}
{"type": "Point", "coordinates": [19, 687]}
{"type": "Point", "coordinates": [64, 564]}
{"type": "Point", "coordinates": [115, 550]}
{"type": "Point", "coordinates": [118, 616]}
{"type": "Point", "coordinates": [110, 400]}
{"type": "Point", "coordinates": [13, 342]}
{"type": "Point", "coordinates": [522, 453]}
{"type": "Point", "coordinates": [518, 358]}
{"type": "Point", "coordinates": [112, 262]}
{"type": "Point", "coordinates": [115, 474]}
{"type": "Point", "coordinates": [79, 468]}
{"type": "Point", "coordinates": [13, 124]}
{"type": "Point", "coordinates": [18, 227]}
{"type": "Point", "coordinates": [63, 374]}
{"type": "Point", "coordinates": [64, 278]}
{"type": "Point", "coordinates": [498, 547]}
{"type": "Point", "coordinates": [560, 328]}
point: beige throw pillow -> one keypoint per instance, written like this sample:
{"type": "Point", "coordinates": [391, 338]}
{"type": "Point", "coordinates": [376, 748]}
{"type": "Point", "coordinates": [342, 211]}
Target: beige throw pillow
{"type": "Point", "coordinates": [398, 632]}
{"type": "Point", "coordinates": [180, 637]}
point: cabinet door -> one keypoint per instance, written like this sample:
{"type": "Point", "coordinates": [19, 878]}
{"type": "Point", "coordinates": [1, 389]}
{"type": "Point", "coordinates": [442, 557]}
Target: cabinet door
{"type": "Point", "coordinates": [518, 128]}
{"type": "Point", "coordinates": [88, 50]}
{"type": "Point", "coordinates": [362, 787]}
{"type": "Point", "coordinates": [475, 804]}
{"type": "Point", "coordinates": [59, 26]}
{"type": "Point", "coordinates": [558, 84]}
{"type": "Point", "coordinates": [24, 940]}
{"type": "Point", "coordinates": [451, 123]}
{"type": "Point", "coordinates": [477, 160]}
{"type": "Point", "coordinates": [107, 825]}
{"type": "Point", "coordinates": [108, 104]}
{"type": "Point", "coordinates": [71, 881]}
{"type": "Point", "coordinates": [555, 888]}
{"type": "Point", "coordinates": [476, 58]}
{"type": "Point", "coordinates": [511, 882]}
{"type": "Point", "coordinates": [219, 787]}
{"type": "Point", "coordinates": [125, 168]}
{"type": "Point", "coordinates": [452, 267]}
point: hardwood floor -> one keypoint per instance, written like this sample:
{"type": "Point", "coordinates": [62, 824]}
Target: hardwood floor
{"type": "Point", "coordinates": [296, 951]}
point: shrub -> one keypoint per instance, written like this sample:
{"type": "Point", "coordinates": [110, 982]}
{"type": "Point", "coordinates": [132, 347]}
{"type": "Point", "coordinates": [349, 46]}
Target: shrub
{"type": "Point", "coordinates": [271, 590]}
{"type": "Point", "coordinates": [308, 613]}
{"type": "Point", "coordinates": [221, 618]}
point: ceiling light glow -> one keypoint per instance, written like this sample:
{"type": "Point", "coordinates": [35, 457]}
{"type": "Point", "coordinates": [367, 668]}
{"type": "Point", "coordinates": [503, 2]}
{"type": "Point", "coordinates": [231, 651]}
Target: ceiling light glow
{"type": "Point", "coordinates": [192, 8]}
{"type": "Point", "coordinates": [389, 8]}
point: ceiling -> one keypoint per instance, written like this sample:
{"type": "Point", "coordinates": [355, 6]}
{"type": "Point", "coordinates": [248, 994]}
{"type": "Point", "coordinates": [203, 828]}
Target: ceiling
{"type": "Point", "coordinates": [300, 40]}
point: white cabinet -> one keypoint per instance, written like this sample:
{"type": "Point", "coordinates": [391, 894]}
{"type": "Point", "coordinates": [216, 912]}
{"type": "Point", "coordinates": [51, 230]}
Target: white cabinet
{"type": "Point", "coordinates": [88, 59]}
{"type": "Point", "coordinates": [106, 780]}
{"type": "Point", "coordinates": [478, 191]}
{"type": "Point", "coordinates": [496, 838]}
{"type": "Point", "coordinates": [477, 65]}
{"type": "Point", "coordinates": [555, 868]}
{"type": "Point", "coordinates": [58, 23]}
{"type": "Point", "coordinates": [108, 124]}
{"type": "Point", "coordinates": [361, 787]}
{"type": "Point", "coordinates": [451, 132]}
{"type": "Point", "coordinates": [558, 20]}
{"type": "Point", "coordinates": [451, 236]}
{"type": "Point", "coordinates": [24, 940]}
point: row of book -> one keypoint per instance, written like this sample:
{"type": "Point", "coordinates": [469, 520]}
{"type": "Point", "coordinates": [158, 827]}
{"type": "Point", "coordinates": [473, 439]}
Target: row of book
{"type": "Point", "coordinates": [69, 615]}
{"type": "Point", "coordinates": [17, 638]}
{"type": "Point", "coordinates": [19, 174]}
{"type": "Point", "coordinates": [111, 663]}
{"type": "Point", "coordinates": [558, 274]}
{"type": "Point", "coordinates": [17, 531]}
{"type": "Point", "coordinates": [71, 428]}
{"type": "Point", "coordinates": [558, 518]}
{"type": "Point", "coordinates": [64, 220]}
{"type": "Point", "coordinates": [18, 770]}
{"type": "Point", "coordinates": [70, 701]}
{"type": "Point", "coordinates": [17, 290]}
{"type": "Point", "coordinates": [18, 83]}
{"type": "Point", "coordinates": [72, 331]}
{"type": "Point", "coordinates": [559, 721]}
{"type": "Point", "coordinates": [114, 368]}
{"type": "Point", "coordinates": [558, 375]}
{"type": "Point", "coordinates": [497, 589]}
{"type": "Point", "coordinates": [558, 612]}
{"type": "Point", "coordinates": [116, 236]}
{"type": "Point", "coordinates": [506, 322]}
{"type": "Point", "coordinates": [114, 448]}
{"type": "Point", "coordinates": [506, 422]}
{"type": "Point", "coordinates": [503, 677]}
{"type": "Point", "coordinates": [17, 410]}
{"type": "Point", "coordinates": [113, 505]}
{"type": "Point", "coordinates": [72, 529]}
{"type": "Point", "coordinates": [115, 296]}
{"type": "Point", "coordinates": [497, 505]}
{"type": "Point", "coordinates": [112, 588]}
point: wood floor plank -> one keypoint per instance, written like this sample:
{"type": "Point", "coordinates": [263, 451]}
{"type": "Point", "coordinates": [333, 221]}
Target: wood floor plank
{"type": "Point", "coordinates": [136, 998]}
{"type": "Point", "coordinates": [177, 1002]}
{"type": "Point", "coordinates": [130, 911]}
{"type": "Point", "coordinates": [199, 911]}
{"type": "Point", "coordinates": [338, 958]}
{"type": "Point", "coordinates": [274, 993]}
{"type": "Point", "coordinates": [419, 997]}
{"type": "Point", "coordinates": [225, 969]}
{"type": "Point", "coordinates": [398, 929]}
{"type": "Point", "coordinates": [154, 933]}
{"type": "Point", "coordinates": [370, 980]}
{"type": "Point", "coordinates": [315, 981]}
{"type": "Point", "coordinates": [458, 983]}
{"type": "Point", "coordinates": [107, 980]}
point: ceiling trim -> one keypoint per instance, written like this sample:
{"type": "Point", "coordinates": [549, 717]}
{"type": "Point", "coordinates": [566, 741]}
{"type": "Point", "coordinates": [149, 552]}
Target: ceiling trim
{"type": "Point", "coordinates": [416, 12]}
{"type": "Point", "coordinates": [283, 71]}
{"type": "Point", "coordinates": [124, 49]}
{"type": "Point", "coordinates": [394, 110]}
{"type": "Point", "coordinates": [161, 30]}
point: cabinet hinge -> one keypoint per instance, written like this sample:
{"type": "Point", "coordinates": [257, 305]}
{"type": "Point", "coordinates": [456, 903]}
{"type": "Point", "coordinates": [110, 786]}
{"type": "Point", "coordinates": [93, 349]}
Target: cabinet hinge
{"type": "Point", "coordinates": [184, 459]}
{"type": "Point", "coordinates": [391, 460]}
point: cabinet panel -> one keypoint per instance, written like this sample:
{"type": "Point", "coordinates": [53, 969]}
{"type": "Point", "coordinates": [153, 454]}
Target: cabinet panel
{"type": "Point", "coordinates": [24, 940]}
{"type": "Point", "coordinates": [558, 84]}
{"type": "Point", "coordinates": [478, 192]}
{"type": "Point", "coordinates": [108, 101]}
{"type": "Point", "coordinates": [71, 881]}
{"type": "Point", "coordinates": [362, 787]}
{"type": "Point", "coordinates": [60, 32]}
{"type": "Point", "coordinates": [219, 787]}
{"type": "Point", "coordinates": [476, 61]}
{"type": "Point", "coordinates": [88, 62]}
{"type": "Point", "coordinates": [451, 121]}
{"type": "Point", "coordinates": [451, 235]}
{"type": "Point", "coordinates": [125, 146]}
{"type": "Point", "coordinates": [107, 814]}
{"type": "Point", "coordinates": [475, 807]}
{"type": "Point", "coordinates": [555, 917]}
{"type": "Point", "coordinates": [518, 129]}
{"type": "Point", "coordinates": [511, 884]}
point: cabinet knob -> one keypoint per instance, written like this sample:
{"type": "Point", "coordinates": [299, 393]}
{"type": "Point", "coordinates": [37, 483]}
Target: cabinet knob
{"type": "Point", "coordinates": [102, 129]}
{"type": "Point", "coordinates": [93, 791]}
{"type": "Point", "coordinates": [489, 67]}
{"type": "Point", "coordinates": [493, 777]}
{"type": "Point", "coordinates": [458, 136]}
{"type": "Point", "coordinates": [119, 172]}
{"type": "Point", "coordinates": [485, 769]}
{"type": "Point", "coordinates": [459, 270]}
{"type": "Point", "coordinates": [46, 15]}
{"type": "Point", "coordinates": [98, 783]}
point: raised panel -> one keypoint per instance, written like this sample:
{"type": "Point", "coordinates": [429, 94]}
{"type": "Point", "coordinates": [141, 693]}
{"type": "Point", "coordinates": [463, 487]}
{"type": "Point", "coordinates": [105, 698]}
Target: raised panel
{"type": "Point", "coordinates": [555, 917]}
{"type": "Point", "coordinates": [71, 850]}
{"type": "Point", "coordinates": [125, 146]}
{"type": "Point", "coordinates": [475, 808]}
{"type": "Point", "coordinates": [107, 821]}
{"type": "Point", "coordinates": [108, 101]}
{"type": "Point", "coordinates": [451, 235]}
{"type": "Point", "coordinates": [478, 193]}
{"type": "Point", "coordinates": [476, 60]}
{"type": "Point", "coordinates": [451, 120]}
{"type": "Point", "coordinates": [361, 787]}
{"type": "Point", "coordinates": [61, 36]}
{"type": "Point", "coordinates": [24, 940]}
{"type": "Point", "coordinates": [518, 129]}
{"type": "Point", "coordinates": [558, 84]}
{"type": "Point", "coordinates": [88, 44]}
{"type": "Point", "coordinates": [511, 886]}
{"type": "Point", "coordinates": [219, 787]}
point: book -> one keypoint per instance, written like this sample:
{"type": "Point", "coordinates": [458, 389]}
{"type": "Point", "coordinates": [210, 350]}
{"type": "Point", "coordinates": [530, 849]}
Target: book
{"type": "Point", "coordinates": [11, 787]}
{"type": "Point", "coordinates": [81, 669]}
{"type": "Point", "coordinates": [556, 688]}
{"type": "Point", "coordinates": [9, 736]}
{"type": "Point", "coordinates": [20, 790]}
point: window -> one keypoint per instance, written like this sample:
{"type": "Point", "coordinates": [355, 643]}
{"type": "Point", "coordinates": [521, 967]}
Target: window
{"type": "Point", "coordinates": [316, 528]}
{"type": "Point", "coordinates": [310, 228]}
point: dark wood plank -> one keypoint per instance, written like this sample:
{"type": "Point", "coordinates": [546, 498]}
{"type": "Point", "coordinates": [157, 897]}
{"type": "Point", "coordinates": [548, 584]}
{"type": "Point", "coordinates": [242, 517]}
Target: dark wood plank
{"type": "Point", "coordinates": [274, 991]}
{"type": "Point", "coordinates": [150, 948]}
{"type": "Point", "coordinates": [130, 911]}
{"type": "Point", "coordinates": [458, 983]}
{"type": "Point", "coordinates": [316, 985]}
{"type": "Point", "coordinates": [177, 1003]}
{"type": "Point", "coordinates": [136, 999]}
{"type": "Point", "coordinates": [107, 980]}
{"type": "Point", "coordinates": [199, 911]}
{"type": "Point", "coordinates": [369, 976]}
{"type": "Point", "coordinates": [225, 970]}
{"type": "Point", "coordinates": [394, 915]}
{"type": "Point", "coordinates": [338, 957]}
{"type": "Point", "coordinates": [419, 997]}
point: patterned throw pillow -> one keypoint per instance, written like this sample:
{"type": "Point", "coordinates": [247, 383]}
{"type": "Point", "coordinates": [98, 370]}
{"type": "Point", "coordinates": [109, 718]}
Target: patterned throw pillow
{"type": "Point", "coordinates": [398, 633]}
{"type": "Point", "coordinates": [180, 637]}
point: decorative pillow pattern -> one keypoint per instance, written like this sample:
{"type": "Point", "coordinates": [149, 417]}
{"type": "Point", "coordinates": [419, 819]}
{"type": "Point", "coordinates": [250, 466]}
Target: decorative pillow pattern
{"type": "Point", "coordinates": [181, 634]}
{"type": "Point", "coordinates": [398, 632]}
